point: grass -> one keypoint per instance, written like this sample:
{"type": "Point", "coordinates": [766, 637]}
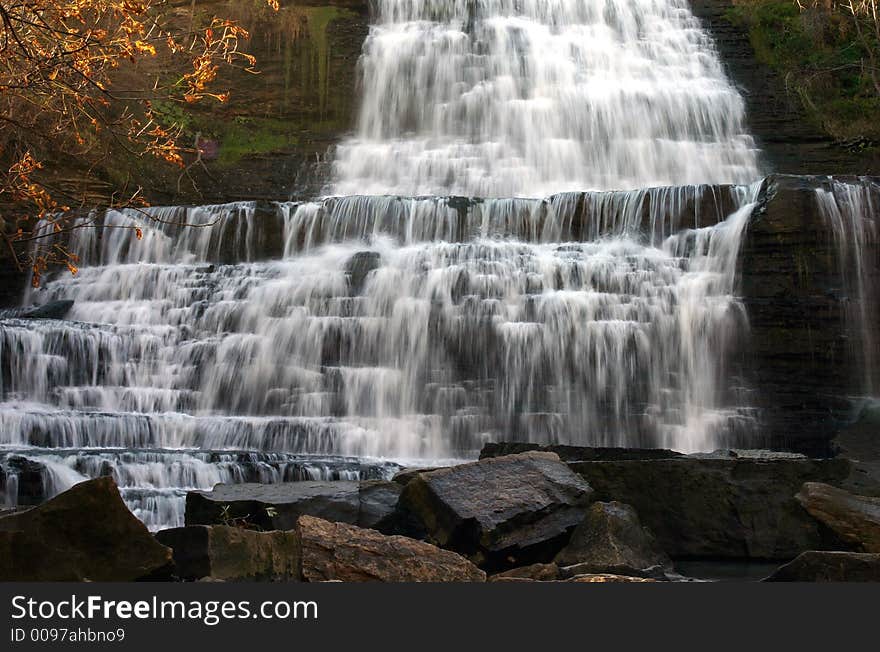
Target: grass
{"type": "Point", "coordinates": [820, 56]}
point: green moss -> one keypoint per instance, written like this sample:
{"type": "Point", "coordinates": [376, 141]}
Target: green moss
{"type": "Point", "coordinates": [319, 18]}
{"type": "Point", "coordinates": [172, 113]}
{"type": "Point", "coordinates": [820, 57]}
{"type": "Point", "coordinates": [292, 102]}
{"type": "Point", "coordinates": [248, 136]}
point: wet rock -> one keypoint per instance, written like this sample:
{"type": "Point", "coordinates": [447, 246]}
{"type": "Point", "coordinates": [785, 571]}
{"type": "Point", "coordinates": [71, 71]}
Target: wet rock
{"type": "Point", "coordinates": [358, 268]}
{"type": "Point", "coordinates": [377, 501]}
{"type": "Point", "coordinates": [829, 566]}
{"type": "Point", "coordinates": [723, 506]}
{"type": "Point", "coordinates": [800, 343]}
{"type": "Point", "coordinates": [278, 506]}
{"type": "Point", "coordinates": [338, 551]}
{"type": "Point", "coordinates": [500, 512]}
{"type": "Point", "coordinates": [51, 310]}
{"type": "Point", "coordinates": [27, 478]}
{"type": "Point", "coordinates": [84, 533]}
{"type": "Point", "coordinates": [611, 539]}
{"type": "Point", "coordinates": [859, 442]}
{"type": "Point", "coordinates": [576, 453]}
{"type": "Point", "coordinates": [224, 553]}
{"type": "Point", "coordinates": [404, 477]}
{"type": "Point", "coordinates": [856, 519]}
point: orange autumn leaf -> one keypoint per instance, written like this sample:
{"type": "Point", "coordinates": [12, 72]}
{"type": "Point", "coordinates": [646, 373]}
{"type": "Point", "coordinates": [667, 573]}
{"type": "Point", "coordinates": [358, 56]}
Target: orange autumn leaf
{"type": "Point", "coordinates": [60, 83]}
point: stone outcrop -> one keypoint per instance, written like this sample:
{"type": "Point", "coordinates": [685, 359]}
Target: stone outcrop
{"type": "Point", "coordinates": [500, 512]}
{"type": "Point", "coordinates": [611, 539]}
{"type": "Point", "coordinates": [723, 506]}
{"type": "Point", "coordinates": [859, 442]}
{"type": "Point", "coordinates": [28, 480]}
{"type": "Point", "coordinates": [338, 551]}
{"type": "Point", "coordinates": [233, 554]}
{"type": "Point", "coordinates": [799, 358]}
{"type": "Point", "coordinates": [278, 506]}
{"type": "Point", "coordinates": [829, 566]}
{"type": "Point", "coordinates": [856, 519]}
{"type": "Point", "coordinates": [85, 533]}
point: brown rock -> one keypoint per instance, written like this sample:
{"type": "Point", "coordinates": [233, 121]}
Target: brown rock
{"type": "Point", "coordinates": [85, 533]}
{"type": "Point", "coordinates": [536, 572]}
{"type": "Point", "coordinates": [855, 519]}
{"type": "Point", "coordinates": [338, 551]}
{"type": "Point", "coordinates": [608, 577]}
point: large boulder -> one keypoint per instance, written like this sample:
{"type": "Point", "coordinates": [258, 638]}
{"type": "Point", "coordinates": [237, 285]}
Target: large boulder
{"type": "Point", "coordinates": [611, 539]}
{"type": "Point", "coordinates": [856, 519]}
{"type": "Point", "coordinates": [829, 566]}
{"type": "Point", "coordinates": [232, 554]}
{"type": "Point", "coordinates": [84, 533]}
{"type": "Point", "coordinates": [278, 506]}
{"type": "Point", "coordinates": [859, 442]}
{"type": "Point", "coordinates": [377, 502]}
{"type": "Point", "coordinates": [338, 551]}
{"type": "Point", "coordinates": [500, 512]}
{"type": "Point", "coordinates": [735, 504]}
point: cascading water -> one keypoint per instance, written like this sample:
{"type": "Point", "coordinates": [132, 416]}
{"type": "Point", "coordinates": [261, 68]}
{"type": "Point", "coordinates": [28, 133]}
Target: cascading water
{"type": "Point", "coordinates": [519, 98]}
{"type": "Point", "coordinates": [328, 339]}
{"type": "Point", "coordinates": [852, 209]}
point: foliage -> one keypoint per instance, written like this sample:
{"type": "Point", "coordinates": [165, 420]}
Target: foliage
{"type": "Point", "coordinates": [828, 52]}
{"type": "Point", "coordinates": [63, 93]}
{"type": "Point", "coordinates": [244, 522]}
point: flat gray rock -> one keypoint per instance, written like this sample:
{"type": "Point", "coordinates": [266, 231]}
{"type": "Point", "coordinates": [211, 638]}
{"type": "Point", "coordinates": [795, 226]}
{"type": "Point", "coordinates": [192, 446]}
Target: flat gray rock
{"type": "Point", "coordinates": [278, 506]}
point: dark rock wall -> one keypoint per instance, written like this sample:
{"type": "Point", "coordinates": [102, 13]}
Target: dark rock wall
{"type": "Point", "coordinates": [801, 355]}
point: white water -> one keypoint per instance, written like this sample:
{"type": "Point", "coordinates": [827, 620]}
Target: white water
{"type": "Point", "coordinates": [525, 98]}
{"type": "Point", "coordinates": [852, 210]}
{"type": "Point", "coordinates": [620, 337]}
{"type": "Point", "coordinates": [271, 342]}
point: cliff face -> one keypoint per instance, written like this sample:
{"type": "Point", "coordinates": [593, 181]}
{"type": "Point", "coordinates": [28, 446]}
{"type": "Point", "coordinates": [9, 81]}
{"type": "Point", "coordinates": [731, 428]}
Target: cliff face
{"type": "Point", "coordinates": [269, 140]}
{"type": "Point", "coordinates": [792, 144]}
{"type": "Point", "coordinates": [802, 348]}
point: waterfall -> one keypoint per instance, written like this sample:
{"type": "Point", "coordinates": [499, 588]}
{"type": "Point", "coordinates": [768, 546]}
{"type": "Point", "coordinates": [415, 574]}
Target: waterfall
{"type": "Point", "coordinates": [366, 330]}
{"type": "Point", "coordinates": [532, 235]}
{"type": "Point", "coordinates": [504, 98]}
{"type": "Point", "coordinates": [851, 209]}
